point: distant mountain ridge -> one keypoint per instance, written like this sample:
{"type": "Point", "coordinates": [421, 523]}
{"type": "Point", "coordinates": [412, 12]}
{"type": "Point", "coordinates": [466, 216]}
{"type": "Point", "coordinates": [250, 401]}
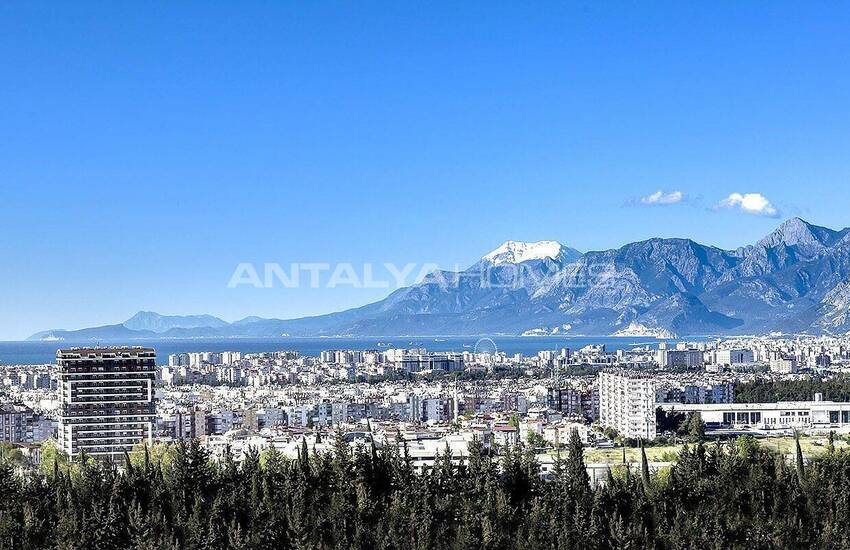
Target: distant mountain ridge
{"type": "Point", "coordinates": [154, 322]}
{"type": "Point", "coordinates": [796, 279]}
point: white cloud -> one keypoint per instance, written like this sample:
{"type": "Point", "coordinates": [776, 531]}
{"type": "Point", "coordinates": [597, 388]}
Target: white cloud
{"type": "Point", "coordinates": [660, 197]}
{"type": "Point", "coordinates": [750, 203]}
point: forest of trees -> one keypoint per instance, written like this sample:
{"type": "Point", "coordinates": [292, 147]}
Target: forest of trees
{"type": "Point", "coordinates": [836, 388]}
{"type": "Point", "coordinates": [733, 494]}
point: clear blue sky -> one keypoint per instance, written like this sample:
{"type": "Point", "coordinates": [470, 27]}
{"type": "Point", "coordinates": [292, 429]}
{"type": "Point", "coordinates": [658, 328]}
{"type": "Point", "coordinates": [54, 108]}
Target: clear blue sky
{"type": "Point", "coordinates": [147, 148]}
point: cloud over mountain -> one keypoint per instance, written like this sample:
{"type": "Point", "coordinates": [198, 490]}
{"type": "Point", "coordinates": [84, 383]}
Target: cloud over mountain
{"type": "Point", "coordinates": [749, 203]}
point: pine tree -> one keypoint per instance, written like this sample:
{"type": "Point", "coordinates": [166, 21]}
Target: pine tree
{"type": "Point", "coordinates": [696, 427]}
{"type": "Point", "coordinates": [727, 495]}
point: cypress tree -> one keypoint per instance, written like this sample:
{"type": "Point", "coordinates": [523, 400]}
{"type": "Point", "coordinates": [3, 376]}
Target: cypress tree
{"type": "Point", "coordinates": [724, 496]}
{"type": "Point", "coordinates": [801, 474]}
{"type": "Point", "coordinates": [576, 469]}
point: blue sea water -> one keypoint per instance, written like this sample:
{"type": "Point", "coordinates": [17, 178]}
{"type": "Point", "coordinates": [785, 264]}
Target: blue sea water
{"type": "Point", "coordinates": [30, 353]}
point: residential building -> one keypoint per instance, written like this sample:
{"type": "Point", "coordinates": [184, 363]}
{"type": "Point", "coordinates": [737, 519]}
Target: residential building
{"type": "Point", "coordinates": [15, 422]}
{"type": "Point", "coordinates": [627, 403]}
{"type": "Point", "coordinates": [107, 400]}
{"type": "Point", "coordinates": [783, 365]}
{"type": "Point", "coordinates": [734, 356]}
{"type": "Point", "coordinates": [679, 358]}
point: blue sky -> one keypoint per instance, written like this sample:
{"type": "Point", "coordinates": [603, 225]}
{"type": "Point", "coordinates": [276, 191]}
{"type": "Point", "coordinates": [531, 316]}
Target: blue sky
{"type": "Point", "coordinates": [149, 149]}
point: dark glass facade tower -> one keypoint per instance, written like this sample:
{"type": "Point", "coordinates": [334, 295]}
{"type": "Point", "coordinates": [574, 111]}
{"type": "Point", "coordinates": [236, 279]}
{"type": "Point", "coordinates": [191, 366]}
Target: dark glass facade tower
{"type": "Point", "coordinates": [107, 397]}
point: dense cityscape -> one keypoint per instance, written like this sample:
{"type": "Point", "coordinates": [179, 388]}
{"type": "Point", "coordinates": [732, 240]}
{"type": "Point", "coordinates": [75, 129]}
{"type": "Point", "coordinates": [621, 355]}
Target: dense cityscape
{"type": "Point", "coordinates": [235, 402]}
{"type": "Point", "coordinates": [356, 433]}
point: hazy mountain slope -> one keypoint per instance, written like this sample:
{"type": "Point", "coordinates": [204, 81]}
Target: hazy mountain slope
{"type": "Point", "coordinates": [794, 279]}
{"type": "Point", "coordinates": [154, 322]}
{"type": "Point", "coordinates": [105, 332]}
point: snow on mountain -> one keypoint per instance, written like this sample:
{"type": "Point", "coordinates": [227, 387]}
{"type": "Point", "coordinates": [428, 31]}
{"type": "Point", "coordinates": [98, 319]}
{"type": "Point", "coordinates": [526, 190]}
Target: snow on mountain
{"type": "Point", "coordinates": [516, 252]}
{"type": "Point", "coordinates": [795, 279]}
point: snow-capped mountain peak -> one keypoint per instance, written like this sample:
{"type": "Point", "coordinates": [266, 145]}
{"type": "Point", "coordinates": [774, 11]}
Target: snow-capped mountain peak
{"type": "Point", "coordinates": [515, 252]}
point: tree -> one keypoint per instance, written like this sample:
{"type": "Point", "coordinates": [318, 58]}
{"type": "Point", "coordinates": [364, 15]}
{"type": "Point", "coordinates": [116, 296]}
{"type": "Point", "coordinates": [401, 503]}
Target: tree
{"type": "Point", "coordinates": [52, 459]}
{"type": "Point", "coordinates": [576, 469]}
{"type": "Point", "coordinates": [798, 459]}
{"type": "Point", "coordinates": [644, 467]}
{"type": "Point", "coordinates": [696, 427]}
{"type": "Point", "coordinates": [735, 494]}
{"type": "Point", "coordinates": [536, 440]}
{"type": "Point", "coordinates": [513, 421]}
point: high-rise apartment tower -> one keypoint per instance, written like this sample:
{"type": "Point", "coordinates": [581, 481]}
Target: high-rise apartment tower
{"type": "Point", "coordinates": [107, 397]}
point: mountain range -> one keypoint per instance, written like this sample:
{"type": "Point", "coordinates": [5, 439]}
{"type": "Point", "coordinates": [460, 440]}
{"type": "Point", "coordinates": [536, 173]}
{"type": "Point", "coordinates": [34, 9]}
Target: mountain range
{"type": "Point", "coordinates": [796, 279]}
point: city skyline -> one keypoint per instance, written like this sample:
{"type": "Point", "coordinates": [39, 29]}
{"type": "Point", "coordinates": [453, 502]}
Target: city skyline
{"type": "Point", "coordinates": [348, 134]}
{"type": "Point", "coordinates": [485, 275]}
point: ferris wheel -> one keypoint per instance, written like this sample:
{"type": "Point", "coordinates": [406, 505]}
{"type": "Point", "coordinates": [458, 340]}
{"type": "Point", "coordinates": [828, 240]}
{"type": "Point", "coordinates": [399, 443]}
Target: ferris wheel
{"type": "Point", "coordinates": [486, 346]}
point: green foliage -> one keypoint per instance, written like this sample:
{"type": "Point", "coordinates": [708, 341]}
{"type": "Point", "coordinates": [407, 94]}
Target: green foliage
{"type": "Point", "coordinates": [836, 388]}
{"type": "Point", "coordinates": [694, 427]}
{"type": "Point", "coordinates": [733, 494]}
{"type": "Point", "coordinates": [536, 440]}
{"type": "Point", "coordinates": [52, 459]}
{"type": "Point", "coordinates": [514, 421]}
{"type": "Point", "coordinates": [11, 454]}
{"type": "Point", "coordinates": [668, 421]}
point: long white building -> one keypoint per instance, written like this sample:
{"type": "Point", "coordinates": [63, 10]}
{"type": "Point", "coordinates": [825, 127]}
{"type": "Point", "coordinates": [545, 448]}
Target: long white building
{"type": "Point", "coordinates": [770, 416]}
{"type": "Point", "coordinates": [627, 403]}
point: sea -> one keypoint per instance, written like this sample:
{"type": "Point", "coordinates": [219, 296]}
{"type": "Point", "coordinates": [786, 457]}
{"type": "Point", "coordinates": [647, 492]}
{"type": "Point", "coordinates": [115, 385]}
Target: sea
{"type": "Point", "coordinates": [41, 352]}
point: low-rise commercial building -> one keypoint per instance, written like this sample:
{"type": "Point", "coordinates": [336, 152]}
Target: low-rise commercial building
{"type": "Point", "coordinates": [769, 416]}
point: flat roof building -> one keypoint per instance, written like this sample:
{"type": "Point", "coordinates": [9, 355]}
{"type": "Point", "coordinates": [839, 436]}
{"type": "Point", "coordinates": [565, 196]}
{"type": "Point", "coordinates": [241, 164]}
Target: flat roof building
{"type": "Point", "coordinates": [107, 400]}
{"type": "Point", "coordinates": [627, 403]}
{"type": "Point", "coordinates": [15, 421]}
{"type": "Point", "coordinates": [782, 415]}
{"type": "Point", "coordinates": [731, 357]}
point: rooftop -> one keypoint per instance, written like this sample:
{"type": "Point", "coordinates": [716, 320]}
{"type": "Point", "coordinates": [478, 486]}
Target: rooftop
{"type": "Point", "coordinates": [100, 352]}
{"type": "Point", "coordinates": [779, 405]}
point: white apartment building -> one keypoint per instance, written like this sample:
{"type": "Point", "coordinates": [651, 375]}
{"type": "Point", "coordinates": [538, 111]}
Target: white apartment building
{"type": "Point", "coordinates": [734, 356]}
{"type": "Point", "coordinates": [679, 357]}
{"type": "Point", "coordinates": [230, 357]}
{"type": "Point", "coordinates": [627, 403]}
{"type": "Point", "coordinates": [783, 365]}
